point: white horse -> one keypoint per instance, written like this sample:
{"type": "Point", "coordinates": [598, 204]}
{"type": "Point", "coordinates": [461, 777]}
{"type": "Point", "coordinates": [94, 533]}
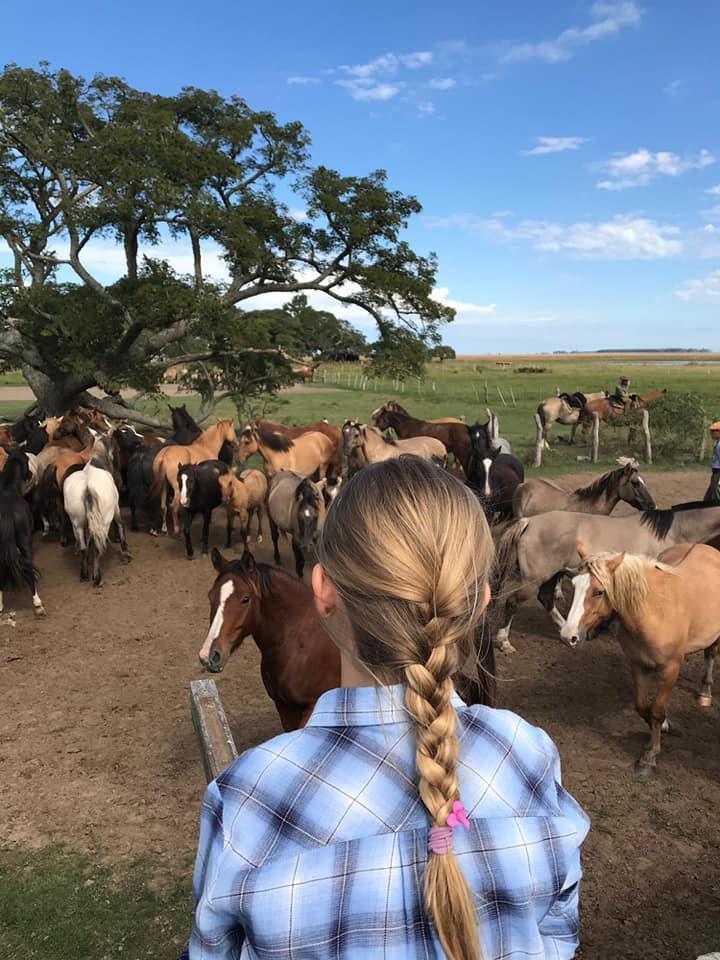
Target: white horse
{"type": "Point", "coordinates": [92, 503]}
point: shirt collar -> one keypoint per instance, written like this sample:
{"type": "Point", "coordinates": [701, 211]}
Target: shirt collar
{"type": "Point", "coordinates": [364, 706]}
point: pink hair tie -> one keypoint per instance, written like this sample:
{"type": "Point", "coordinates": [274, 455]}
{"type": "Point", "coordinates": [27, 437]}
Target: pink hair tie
{"type": "Point", "coordinates": [440, 838]}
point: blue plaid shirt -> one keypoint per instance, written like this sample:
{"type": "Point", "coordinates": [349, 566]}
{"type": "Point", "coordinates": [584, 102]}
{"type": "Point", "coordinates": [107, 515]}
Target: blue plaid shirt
{"type": "Point", "coordinates": [314, 844]}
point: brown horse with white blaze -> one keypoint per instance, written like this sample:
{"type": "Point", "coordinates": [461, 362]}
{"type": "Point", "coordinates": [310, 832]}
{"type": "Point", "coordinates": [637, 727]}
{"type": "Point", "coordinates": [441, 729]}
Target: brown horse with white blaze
{"type": "Point", "coordinates": [299, 661]}
{"type": "Point", "coordinates": [661, 621]}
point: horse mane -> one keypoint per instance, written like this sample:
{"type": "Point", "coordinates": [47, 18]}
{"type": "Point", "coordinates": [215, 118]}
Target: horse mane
{"type": "Point", "coordinates": [599, 486]}
{"type": "Point", "coordinates": [275, 441]}
{"type": "Point", "coordinates": [661, 521]}
{"type": "Point", "coordinates": [626, 587]}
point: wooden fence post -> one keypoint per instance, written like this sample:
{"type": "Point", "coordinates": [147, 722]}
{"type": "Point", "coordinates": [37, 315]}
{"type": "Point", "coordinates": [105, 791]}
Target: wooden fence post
{"type": "Point", "coordinates": [487, 393]}
{"type": "Point", "coordinates": [512, 395]}
{"type": "Point", "coordinates": [646, 432]}
{"type": "Point", "coordinates": [703, 442]}
{"type": "Point", "coordinates": [539, 442]}
{"type": "Point", "coordinates": [213, 732]}
{"type": "Point", "coordinates": [595, 437]}
{"type": "Point", "coordinates": [501, 396]}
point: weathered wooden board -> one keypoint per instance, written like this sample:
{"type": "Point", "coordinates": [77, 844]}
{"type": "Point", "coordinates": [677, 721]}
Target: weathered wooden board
{"type": "Point", "coordinates": [215, 740]}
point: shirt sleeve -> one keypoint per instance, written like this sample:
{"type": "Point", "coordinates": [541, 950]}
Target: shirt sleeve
{"type": "Point", "coordinates": [217, 933]}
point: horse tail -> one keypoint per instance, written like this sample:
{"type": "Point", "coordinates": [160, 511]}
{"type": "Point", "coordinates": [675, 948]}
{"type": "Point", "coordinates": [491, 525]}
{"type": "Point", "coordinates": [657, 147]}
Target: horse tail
{"type": "Point", "coordinates": [506, 561]}
{"type": "Point", "coordinates": [94, 519]}
{"type": "Point", "coordinates": [12, 567]}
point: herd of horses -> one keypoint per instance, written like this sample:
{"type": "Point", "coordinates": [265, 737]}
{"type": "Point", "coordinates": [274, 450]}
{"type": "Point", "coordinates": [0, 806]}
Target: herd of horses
{"type": "Point", "coordinates": [73, 473]}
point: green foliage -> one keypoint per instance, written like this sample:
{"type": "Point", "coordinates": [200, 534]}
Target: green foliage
{"type": "Point", "coordinates": [83, 159]}
{"type": "Point", "coordinates": [398, 355]}
{"type": "Point", "coordinates": [677, 425]}
{"type": "Point", "coordinates": [442, 352]}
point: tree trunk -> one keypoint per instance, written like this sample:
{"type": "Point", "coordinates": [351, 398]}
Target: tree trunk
{"type": "Point", "coordinates": [54, 397]}
{"type": "Point", "coordinates": [130, 242]}
{"type": "Point", "coordinates": [197, 256]}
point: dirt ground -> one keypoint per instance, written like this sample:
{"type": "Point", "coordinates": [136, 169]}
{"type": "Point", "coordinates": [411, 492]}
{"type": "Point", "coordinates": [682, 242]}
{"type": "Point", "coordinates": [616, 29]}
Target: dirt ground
{"type": "Point", "coordinates": [97, 748]}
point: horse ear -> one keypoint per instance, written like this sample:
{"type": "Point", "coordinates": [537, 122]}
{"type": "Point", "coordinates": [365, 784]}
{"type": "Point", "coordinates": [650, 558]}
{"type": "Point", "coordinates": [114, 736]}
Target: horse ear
{"type": "Point", "coordinates": [219, 561]}
{"type": "Point", "coordinates": [248, 561]}
{"type": "Point", "coordinates": [614, 562]}
{"type": "Point", "coordinates": [581, 549]}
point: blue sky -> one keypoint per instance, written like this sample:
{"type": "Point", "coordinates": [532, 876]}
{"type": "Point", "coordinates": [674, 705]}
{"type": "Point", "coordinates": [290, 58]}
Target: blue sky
{"type": "Point", "coordinates": [567, 154]}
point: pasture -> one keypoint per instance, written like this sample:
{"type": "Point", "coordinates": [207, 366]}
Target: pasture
{"type": "Point", "coordinates": [102, 779]}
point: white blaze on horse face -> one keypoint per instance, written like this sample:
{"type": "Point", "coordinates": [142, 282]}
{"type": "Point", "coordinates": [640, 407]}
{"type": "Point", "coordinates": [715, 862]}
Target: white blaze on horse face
{"type": "Point", "coordinates": [226, 591]}
{"type": "Point", "coordinates": [581, 585]}
{"type": "Point", "coordinates": [487, 464]}
{"type": "Point", "coordinates": [183, 490]}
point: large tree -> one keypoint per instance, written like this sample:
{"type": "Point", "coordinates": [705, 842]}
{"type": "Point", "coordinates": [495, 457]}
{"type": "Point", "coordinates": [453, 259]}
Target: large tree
{"type": "Point", "coordinates": [83, 159]}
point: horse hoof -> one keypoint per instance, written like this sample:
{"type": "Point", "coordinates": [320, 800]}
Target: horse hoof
{"type": "Point", "coordinates": [258, 539]}
{"type": "Point", "coordinates": [126, 558]}
{"type": "Point", "coordinates": [644, 771]}
{"type": "Point", "coordinates": [153, 533]}
{"type": "Point", "coordinates": [189, 556]}
{"type": "Point", "coordinates": [506, 647]}
{"type": "Point", "coordinates": [704, 700]}
{"type": "Point", "coordinates": [97, 583]}
{"type": "Point", "coordinates": [40, 611]}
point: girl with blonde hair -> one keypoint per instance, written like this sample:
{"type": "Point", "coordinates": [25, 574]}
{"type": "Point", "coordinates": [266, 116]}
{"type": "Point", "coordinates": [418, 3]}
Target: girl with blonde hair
{"type": "Point", "coordinates": [399, 823]}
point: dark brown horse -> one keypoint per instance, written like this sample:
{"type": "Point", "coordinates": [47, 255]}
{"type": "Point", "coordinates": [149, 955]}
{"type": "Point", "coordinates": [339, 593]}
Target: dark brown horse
{"type": "Point", "coordinates": [455, 436]}
{"type": "Point", "coordinates": [299, 661]}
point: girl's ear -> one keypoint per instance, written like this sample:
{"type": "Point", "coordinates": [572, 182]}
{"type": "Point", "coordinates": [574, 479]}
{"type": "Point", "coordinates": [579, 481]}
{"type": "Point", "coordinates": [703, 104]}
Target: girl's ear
{"type": "Point", "coordinates": [326, 597]}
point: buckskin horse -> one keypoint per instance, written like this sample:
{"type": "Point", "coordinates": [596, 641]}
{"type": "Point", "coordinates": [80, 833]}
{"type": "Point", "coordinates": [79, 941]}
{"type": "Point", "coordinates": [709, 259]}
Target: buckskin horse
{"type": "Point", "coordinates": [661, 621]}
{"type": "Point", "coordinates": [374, 447]}
{"type": "Point", "coordinates": [307, 454]}
{"type": "Point", "coordinates": [601, 496]}
{"type": "Point", "coordinates": [298, 660]}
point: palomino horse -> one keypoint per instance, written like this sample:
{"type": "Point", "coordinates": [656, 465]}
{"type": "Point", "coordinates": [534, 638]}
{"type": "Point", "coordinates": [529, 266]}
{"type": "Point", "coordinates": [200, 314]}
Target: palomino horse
{"type": "Point", "coordinates": [296, 507]}
{"type": "Point", "coordinates": [540, 496]}
{"type": "Point", "coordinates": [374, 447]}
{"type": "Point", "coordinates": [244, 496]}
{"type": "Point", "coordinates": [662, 621]}
{"type": "Point", "coordinates": [305, 455]}
{"type": "Point", "coordinates": [565, 409]}
{"type": "Point", "coordinates": [454, 436]}
{"type": "Point", "coordinates": [16, 530]}
{"type": "Point", "coordinates": [298, 660]}
{"type": "Point", "coordinates": [92, 502]}
{"type": "Point", "coordinates": [168, 459]}
{"type": "Point", "coordinates": [319, 426]}
{"type": "Point", "coordinates": [394, 405]}
{"type": "Point", "coordinates": [534, 553]}
{"type": "Point", "coordinates": [608, 409]}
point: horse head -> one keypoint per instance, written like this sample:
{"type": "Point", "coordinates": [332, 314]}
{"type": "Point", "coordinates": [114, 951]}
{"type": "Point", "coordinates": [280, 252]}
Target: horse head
{"type": "Point", "coordinates": [246, 443]}
{"type": "Point", "coordinates": [382, 417]}
{"type": "Point", "coordinates": [310, 513]}
{"type": "Point", "coordinates": [631, 486]}
{"type": "Point", "coordinates": [352, 436]}
{"type": "Point", "coordinates": [590, 603]}
{"type": "Point", "coordinates": [480, 438]}
{"type": "Point", "coordinates": [232, 598]}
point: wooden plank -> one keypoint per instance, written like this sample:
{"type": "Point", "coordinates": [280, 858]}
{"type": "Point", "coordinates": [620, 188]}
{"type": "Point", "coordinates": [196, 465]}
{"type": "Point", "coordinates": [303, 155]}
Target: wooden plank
{"type": "Point", "coordinates": [215, 740]}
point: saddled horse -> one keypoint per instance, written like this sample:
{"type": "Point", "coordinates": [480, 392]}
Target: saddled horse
{"type": "Point", "coordinates": [566, 408]}
{"type": "Point", "coordinates": [299, 661]}
{"type": "Point", "coordinates": [296, 507]}
{"type": "Point", "coordinates": [608, 408]}
{"type": "Point", "coordinates": [601, 496]}
{"type": "Point", "coordinates": [244, 497]}
{"type": "Point", "coordinates": [167, 460]}
{"type": "Point", "coordinates": [92, 504]}
{"type": "Point", "coordinates": [16, 530]}
{"type": "Point", "coordinates": [373, 446]}
{"type": "Point", "coordinates": [307, 454]}
{"type": "Point", "coordinates": [454, 436]}
{"type": "Point", "coordinates": [662, 620]}
{"type": "Point", "coordinates": [534, 553]}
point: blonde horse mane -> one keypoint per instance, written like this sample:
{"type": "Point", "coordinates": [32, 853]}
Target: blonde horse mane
{"type": "Point", "coordinates": [626, 586]}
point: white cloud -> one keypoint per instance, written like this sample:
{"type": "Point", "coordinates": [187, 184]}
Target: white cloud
{"type": "Point", "coordinates": [702, 290]}
{"type": "Point", "coordinates": [301, 81]}
{"type": "Point", "coordinates": [714, 191]}
{"type": "Point", "coordinates": [606, 19]}
{"type": "Point", "coordinates": [625, 237]}
{"type": "Point", "coordinates": [442, 83]}
{"type": "Point", "coordinates": [712, 213]}
{"type": "Point", "coordinates": [442, 295]}
{"type": "Point", "coordinates": [555, 145]}
{"type": "Point", "coordinates": [427, 108]}
{"type": "Point", "coordinates": [378, 79]}
{"type": "Point", "coordinates": [641, 167]}
{"type": "Point", "coordinates": [378, 91]}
